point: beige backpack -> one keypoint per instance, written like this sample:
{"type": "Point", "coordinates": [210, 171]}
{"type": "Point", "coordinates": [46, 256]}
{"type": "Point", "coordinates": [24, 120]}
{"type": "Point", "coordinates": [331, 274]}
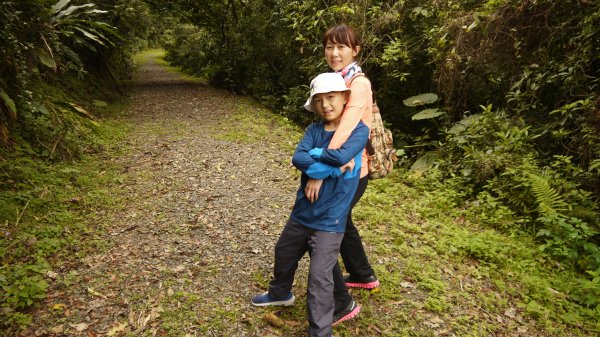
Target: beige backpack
{"type": "Point", "coordinates": [380, 148]}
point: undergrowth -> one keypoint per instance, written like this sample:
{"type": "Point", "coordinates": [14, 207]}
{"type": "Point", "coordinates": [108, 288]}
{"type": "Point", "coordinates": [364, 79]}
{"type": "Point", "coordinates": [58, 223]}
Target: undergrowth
{"type": "Point", "coordinates": [464, 268]}
{"type": "Point", "coordinates": [48, 209]}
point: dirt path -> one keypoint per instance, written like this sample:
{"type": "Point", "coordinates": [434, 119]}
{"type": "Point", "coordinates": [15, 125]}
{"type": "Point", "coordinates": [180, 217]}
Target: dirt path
{"type": "Point", "coordinates": [194, 240]}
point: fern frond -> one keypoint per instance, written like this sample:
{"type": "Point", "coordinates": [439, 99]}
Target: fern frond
{"type": "Point", "coordinates": [547, 198]}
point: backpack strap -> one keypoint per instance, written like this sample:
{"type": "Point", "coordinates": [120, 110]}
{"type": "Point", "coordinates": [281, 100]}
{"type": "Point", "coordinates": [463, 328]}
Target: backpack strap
{"type": "Point", "coordinates": [357, 75]}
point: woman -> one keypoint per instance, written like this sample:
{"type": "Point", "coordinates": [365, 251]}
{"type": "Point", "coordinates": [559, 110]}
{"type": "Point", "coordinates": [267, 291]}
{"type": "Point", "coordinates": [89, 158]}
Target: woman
{"type": "Point", "coordinates": [342, 45]}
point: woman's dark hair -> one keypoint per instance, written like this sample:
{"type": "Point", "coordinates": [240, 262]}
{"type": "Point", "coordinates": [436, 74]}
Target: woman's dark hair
{"type": "Point", "coordinates": [341, 34]}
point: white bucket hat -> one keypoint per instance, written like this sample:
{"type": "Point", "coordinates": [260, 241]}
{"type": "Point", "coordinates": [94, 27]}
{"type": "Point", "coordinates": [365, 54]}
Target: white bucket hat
{"type": "Point", "coordinates": [325, 82]}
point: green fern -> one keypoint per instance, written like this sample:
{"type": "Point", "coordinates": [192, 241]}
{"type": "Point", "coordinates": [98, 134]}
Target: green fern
{"type": "Point", "coordinates": [547, 198]}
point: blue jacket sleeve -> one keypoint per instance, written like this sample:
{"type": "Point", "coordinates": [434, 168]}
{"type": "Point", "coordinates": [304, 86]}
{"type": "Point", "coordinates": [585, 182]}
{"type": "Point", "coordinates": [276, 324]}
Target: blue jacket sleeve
{"type": "Point", "coordinates": [353, 146]}
{"type": "Point", "coordinates": [305, 163]}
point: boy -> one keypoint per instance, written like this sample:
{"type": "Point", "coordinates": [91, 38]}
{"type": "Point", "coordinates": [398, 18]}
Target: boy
{"type": "Point", "coordinates": [318, 227]}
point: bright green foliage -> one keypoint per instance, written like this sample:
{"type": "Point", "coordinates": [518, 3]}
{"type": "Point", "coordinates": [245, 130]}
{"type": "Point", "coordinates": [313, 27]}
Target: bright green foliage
{"type": "Point", "coordinates": [24, 285]}
{"type": "Point", "coordinates": [420, 100]}
{"type": "Point", "coordinates": [43, 207]}
{"type": "Point", "coordinates": [53, 53]}
{"type": "Point", "coordinates": [420, 230]}
{"type": "Point", "coordinates": [60, 66]}
{"type": "Point", "coordinates": [547, 198]}
{"type": "Point", "coordinates": [568, 239]}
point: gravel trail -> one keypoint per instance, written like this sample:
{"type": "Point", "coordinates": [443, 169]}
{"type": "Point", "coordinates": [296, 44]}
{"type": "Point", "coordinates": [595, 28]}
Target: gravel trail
{"type": "Point", "coordinates": [194, 240]}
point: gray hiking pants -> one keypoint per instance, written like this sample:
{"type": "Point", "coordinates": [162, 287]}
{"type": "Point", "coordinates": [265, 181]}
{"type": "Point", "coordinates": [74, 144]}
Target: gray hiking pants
{"type": "Point", "coordinates": [295, 240]}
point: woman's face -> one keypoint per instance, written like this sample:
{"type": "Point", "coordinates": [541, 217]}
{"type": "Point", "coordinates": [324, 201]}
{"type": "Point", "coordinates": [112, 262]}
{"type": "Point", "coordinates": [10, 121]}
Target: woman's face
{"type": "Point", "coordinates": [339, 55]}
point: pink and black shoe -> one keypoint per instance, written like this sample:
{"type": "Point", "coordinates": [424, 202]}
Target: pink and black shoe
{"type": "Point", "coordinates": [368, 282]}
{"type": "Point", "coordinates": [348, 313]}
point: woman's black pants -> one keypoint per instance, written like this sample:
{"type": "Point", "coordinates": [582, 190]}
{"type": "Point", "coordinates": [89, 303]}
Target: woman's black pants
{"type": "Point", "coordinates": [353, 254]}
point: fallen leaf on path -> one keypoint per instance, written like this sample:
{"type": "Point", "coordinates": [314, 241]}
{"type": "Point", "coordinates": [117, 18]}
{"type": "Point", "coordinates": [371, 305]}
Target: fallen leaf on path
{"type": "Point", "coordinates": [142, 322]}
{"type": "Point", "coordinates": [408, 285]}
{"type": "Point", "coordinates": [179, 268]}
{"type": "Point", "coordinates": [95, 293]}
{"type": "Point", "coordinates": [274, 320]}
{"type": "Point", "coordinates": [120, 327]}
{"type": "Point", "coordinates": [79, 327]}
{"type": "Point", "coordinates": [512, 313]}
{"type": "Point", "coordinates": [58, 306]}
{"type": "Point", "coordinates": [58, 329]}
{"type": "Point", "coordinates": [434, 322]}
{"type": "Point", "coordinates": [292, 323]}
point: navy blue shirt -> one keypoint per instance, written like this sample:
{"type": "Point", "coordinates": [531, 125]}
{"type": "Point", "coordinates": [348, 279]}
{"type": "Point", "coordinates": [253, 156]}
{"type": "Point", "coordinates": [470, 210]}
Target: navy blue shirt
{"type": "Point", "coordinates": [330, 211]}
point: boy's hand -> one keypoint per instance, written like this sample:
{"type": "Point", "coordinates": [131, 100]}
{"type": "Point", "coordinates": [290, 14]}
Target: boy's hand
{"type": "Point", "coordinates": [312, 189]}
{"type": "Point", "coordinates": [348, 167]}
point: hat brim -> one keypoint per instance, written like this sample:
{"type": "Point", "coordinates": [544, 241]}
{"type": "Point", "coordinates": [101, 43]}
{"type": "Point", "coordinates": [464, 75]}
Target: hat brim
{"type": "Point", "coordinates": [308, 105]}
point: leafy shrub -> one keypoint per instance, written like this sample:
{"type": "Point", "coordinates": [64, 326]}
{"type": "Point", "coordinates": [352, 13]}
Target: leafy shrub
{"type": "Point", "coordinates": [482, 146]}
{"type": "Point", "coordinates": [186, 45]}
{"type": "Point", "coordinates": [491, 212]}
{"type": "Point", "coordinates": [22, 285]}
{"type": "Point", "coordinates": [569, 239]}
{"type": "Point", "coordinates": [53, 58]}
{"type": "Point", "coordinates": [487, 246]}
{"type": "Point", "coordinates": [495, 155]}
{"type": "Point", "coordinates": [587, 291]}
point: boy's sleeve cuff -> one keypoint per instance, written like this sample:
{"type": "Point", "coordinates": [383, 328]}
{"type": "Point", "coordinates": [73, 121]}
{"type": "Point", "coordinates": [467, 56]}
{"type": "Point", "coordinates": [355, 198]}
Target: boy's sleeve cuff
{"type": "Point", "coordinates": [322, 171]}
{"type": "Point", "coordinates": [316, 153]}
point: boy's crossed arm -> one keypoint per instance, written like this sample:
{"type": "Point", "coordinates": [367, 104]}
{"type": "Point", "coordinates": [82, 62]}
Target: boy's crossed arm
{"type": "Point", "coordinates": [307, 164]}
{"type": "Point", "coordinates": [341, 156]}
{"type": "Point", "coordinates": [322, 163]}
{"type": "Point", "coordinates": [351, 150]}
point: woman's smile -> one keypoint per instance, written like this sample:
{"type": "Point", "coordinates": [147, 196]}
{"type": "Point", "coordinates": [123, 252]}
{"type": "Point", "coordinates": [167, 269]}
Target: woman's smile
{"type": "Point", "coordinates": [339, 55]}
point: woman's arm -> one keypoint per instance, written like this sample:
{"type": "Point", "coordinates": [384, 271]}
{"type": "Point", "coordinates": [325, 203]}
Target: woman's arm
{"type": "Point", "coordinates": [360, 100]}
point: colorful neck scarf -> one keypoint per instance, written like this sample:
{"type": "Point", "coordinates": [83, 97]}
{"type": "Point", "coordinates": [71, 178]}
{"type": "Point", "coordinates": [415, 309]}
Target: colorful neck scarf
{"type": "Point", "coordinates": [350, 70]}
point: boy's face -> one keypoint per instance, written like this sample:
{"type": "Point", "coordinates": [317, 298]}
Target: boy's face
{"type": "Point", "coordinates": [329, 105]}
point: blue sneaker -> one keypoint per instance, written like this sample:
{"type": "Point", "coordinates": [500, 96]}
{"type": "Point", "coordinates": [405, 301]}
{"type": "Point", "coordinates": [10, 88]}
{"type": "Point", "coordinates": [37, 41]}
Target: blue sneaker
{"type": "Point", "coordinates": [264, 300]}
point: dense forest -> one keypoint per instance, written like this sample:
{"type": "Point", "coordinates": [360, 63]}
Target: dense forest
{"type": "Point", "coordinates": [508, 124]}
